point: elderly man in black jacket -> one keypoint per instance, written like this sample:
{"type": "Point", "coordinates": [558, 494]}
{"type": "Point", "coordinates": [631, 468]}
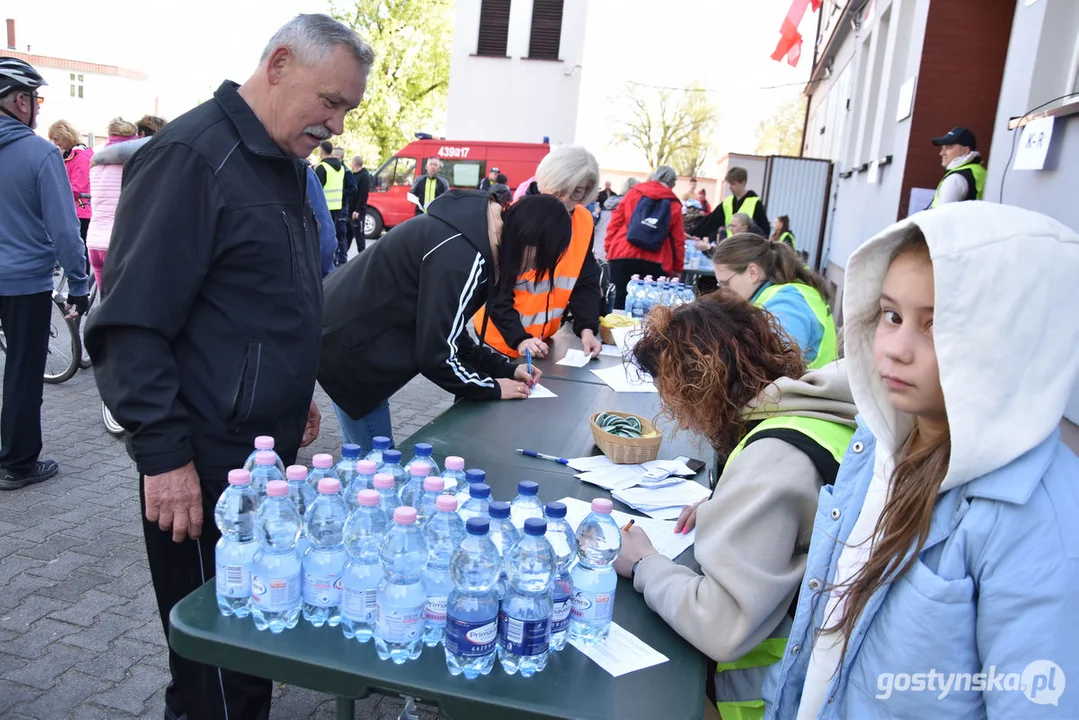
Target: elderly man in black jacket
{"type": "Point", "coordinates": [208, 334]}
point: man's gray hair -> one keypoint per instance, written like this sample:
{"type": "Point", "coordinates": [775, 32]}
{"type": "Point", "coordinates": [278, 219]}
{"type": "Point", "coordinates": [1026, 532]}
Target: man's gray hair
{"type": "Point", "coordinates": [567, 168]}
{"type": "Point", "coordinates": [313, 37]}
{"type": "Point", "coordinates": [628, 185]}
{"type": "Point", "coordinates": [665, 175]}
{"type": "Point", "coordinates": [743, 218]}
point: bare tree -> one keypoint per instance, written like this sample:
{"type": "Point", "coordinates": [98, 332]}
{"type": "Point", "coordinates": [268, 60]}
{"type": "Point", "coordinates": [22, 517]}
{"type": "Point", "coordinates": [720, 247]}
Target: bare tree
{"type": "Point", "coordinates": [781, 134]}
{"type": "Point", "coordinates": [669, 126]}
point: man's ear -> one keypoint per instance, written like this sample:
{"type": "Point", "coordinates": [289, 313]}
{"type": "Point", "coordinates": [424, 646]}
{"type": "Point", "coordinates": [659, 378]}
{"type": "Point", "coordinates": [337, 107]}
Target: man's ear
{"type": "Point", "coordinates": [277, 64]}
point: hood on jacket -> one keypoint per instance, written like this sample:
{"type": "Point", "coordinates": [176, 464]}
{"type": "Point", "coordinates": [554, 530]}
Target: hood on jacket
{"type": "Point", "coordinates": [12, 130]}
{"type": "Point", "coordinates": [120, 152]}
{"type": "Point", "coordinates": [1004, 280]}
{"type": "Point", "coordinates": [657, 190]}
{"type": "Point", "coordinates": [466, 212]}
{"type": "Point", "coordinates": [332, 162]}
{"type": "Point", "coordinates": [823, 394]}
{"type": "Point", "coordinates": [972, 156]}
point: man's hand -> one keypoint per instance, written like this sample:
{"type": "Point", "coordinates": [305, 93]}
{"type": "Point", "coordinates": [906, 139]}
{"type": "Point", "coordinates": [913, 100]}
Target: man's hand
{"type": "Point", "coordinates": [513, 389]}
{"type": "Point", "coordinates": [79, 303]}
{"type": "Point", "coordinates": [355, 216]}
{"type": "Point", "coordinates": [521, 373]}
{"type": "Point", "coordinates": [174, 502]}
{"type": "Point", "coordinates": [591, 344]}
{"type": "Point", "coordinates": [537, 346]}
{"type": "Point", "coordinates": [314, 422]}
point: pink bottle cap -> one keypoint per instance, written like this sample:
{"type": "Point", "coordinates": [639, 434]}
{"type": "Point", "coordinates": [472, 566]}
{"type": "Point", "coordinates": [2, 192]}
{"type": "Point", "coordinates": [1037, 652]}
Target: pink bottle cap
{"type": "Point", "coordinates": [434, 484]}
{"type": "Point", "coordinates": [453, 462]}
{"type": "Point", "coordinates": [264, 442]}
{"type": "Point", "coordinates": [277, 488]}
{"type": "Point", "coordinates": [603, 506]}
{"type": "Point", "coordinates": [368, 498]}
{"type": "Point", "coordinates": [366, 467]}
{"type": "Point", "coordinates": [296, 472]}
{"type": "Point", "coordinates": [446, 503]}
{"type": "Point", "coordinates": [419, 470]}
{"type": "Point", "coordinates": [383, 481]}
{"type": "Point", "coordinates": [265, 457]}
{"type": "Point", "coordinates": [329, 486]}
{"type": "Point", "coordinates": [239, 477]}
{"type": "Point", "coordinates": [322, 461]}
{"type": "Point", "coordinates": [405, 515]}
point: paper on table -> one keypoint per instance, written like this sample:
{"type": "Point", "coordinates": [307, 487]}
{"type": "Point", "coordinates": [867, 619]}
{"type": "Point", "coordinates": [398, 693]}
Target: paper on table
{"type": "Point", "coordinates": [665, 514]}
{"type": "Point", "coordinates": [611, 351]}
{"type": "Point", "coordinates": [592, 462]}
{"type": "Point", "coordinates": [625, 337]}
{"type": "Point", "coordinates": [655, 473]}
{"type": "Point", "coordinates": [680, 495]}
{"type": "Point", "coordinates": [622, 652]}
{"type": "Point", "coordinates": [538, 391]}
{"type": "Point", "coordinates": [661, 532]}
{"type": "Point", "coordinates": [574, 358]}
{"type": "Point", "coordinates": [624, 378]}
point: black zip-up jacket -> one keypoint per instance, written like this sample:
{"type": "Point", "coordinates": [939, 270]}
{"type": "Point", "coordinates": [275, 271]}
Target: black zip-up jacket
{"type": "Point", "coordinates": [402, 306]}
{"type": "Point", "coordinates": [208, 331]}
{"type": "Point", "coordinates": [716, 222]}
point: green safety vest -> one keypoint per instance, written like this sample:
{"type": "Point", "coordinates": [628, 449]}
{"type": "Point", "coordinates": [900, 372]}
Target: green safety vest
{"type": "Point", "coordinates": [829, 344]}
{"type": "Point", "coordinates": [738, 683]}
{"type": "Point", "coordinates": [334, 187]}
{"type": "Point", "coordinates": [749, 207]}
{"type": "Point", "coordinates": [787, 237]}
{"type": "Point", "coordinates": [975, 175]}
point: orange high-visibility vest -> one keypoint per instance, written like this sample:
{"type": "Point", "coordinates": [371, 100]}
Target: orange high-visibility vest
{"type": "Point", "coordinates": [541, 304]}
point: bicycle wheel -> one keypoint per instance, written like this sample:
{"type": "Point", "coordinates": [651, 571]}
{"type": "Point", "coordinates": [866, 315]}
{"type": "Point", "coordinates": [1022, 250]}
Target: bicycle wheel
{"type": "Point", "coordinates": [84, 358]}
{"type": "Point", "coordinates": [62, 361]}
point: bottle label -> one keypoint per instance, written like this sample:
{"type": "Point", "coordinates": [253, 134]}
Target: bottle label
{"type": "Point", "coordinates": [275, 594]}
{"type": "Point", "coordinates": [359, 605]}
{"type": "Point", "coordinates": [471, 638]}
{"type": "Point", "coordinates": [233, 581]}
{"type": "Point", "coordinates": [560, 614]}
{"type": "Point", "coordinates": [322, 589]}
{"type": "Point", "coordinates": [593, 607]}
{"type": "Point", "coordinates": [435, 610]}
{"type": "Point", "coordinates": [524, 637]}
{"type": "Point", "coordinates": [399, 626]}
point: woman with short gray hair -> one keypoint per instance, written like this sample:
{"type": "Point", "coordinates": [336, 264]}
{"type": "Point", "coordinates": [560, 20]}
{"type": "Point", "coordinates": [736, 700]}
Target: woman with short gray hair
{"type": "Point", "coordinates": [666, 175]}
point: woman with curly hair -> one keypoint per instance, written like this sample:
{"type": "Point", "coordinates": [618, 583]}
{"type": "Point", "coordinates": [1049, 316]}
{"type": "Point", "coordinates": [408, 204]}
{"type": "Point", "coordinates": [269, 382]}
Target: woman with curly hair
{"type": "Point", "coordinates": [725, 369]}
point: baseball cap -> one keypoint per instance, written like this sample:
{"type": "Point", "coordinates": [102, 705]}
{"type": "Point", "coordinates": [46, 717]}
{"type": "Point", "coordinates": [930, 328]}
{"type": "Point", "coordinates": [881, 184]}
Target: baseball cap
{"type": "Point", "coordinates": [494, 169]}
{"type": "Point", "coordinates": [957, 136]}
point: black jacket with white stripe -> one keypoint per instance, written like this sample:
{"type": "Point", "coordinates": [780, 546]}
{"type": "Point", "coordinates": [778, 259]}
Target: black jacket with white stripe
{"type": "Point", "coordinates": [401, 308]}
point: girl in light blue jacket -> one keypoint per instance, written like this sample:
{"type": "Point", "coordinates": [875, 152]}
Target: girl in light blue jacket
{"type": "Point", "coordinates": [943, 572]}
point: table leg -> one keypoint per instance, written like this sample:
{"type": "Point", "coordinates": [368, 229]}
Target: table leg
{"type": "Point", "coordinates": [346, 708]}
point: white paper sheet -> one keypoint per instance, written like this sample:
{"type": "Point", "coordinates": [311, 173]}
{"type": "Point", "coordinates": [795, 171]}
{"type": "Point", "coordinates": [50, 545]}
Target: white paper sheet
{"type": "Point", "coordinates": [622, 652]}
{"type": "Point", "coordinates": [623, 378]}
{"type": "Point", "coordinates": [680, 495]}
{"type": "Point", "coordinates": [626, 337]}
{"type": "Point", "coordinates": [655, 473]}
{"type": "Point", "coordinates": [575, 358]}
{"type": "Point", "coordinates": [611, 351]}
{"type": "Point", "coordinates": [590, 463]}
{"type": "Point", "coordinates": [538, 392]}
{"type": "Point", "coordinates": [661, 532]}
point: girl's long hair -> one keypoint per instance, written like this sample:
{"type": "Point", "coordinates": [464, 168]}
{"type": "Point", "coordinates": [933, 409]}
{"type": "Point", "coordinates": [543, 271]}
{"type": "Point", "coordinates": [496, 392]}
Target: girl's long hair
{"type": "Point", "coordinates": [536, 231]}
{"type": "Point", "coordinates": [776, 260]}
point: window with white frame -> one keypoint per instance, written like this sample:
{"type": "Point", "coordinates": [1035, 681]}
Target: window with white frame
{"type": "Point", "coordinates": [76, 85]}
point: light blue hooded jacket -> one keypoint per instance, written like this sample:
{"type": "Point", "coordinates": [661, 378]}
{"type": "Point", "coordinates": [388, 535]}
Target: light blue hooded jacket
{"type": "Point", "coordinates": [984, 623]}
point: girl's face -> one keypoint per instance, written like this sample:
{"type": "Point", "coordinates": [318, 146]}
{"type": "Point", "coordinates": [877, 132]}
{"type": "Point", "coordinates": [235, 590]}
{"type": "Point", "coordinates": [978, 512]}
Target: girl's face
{"type": "Point", "coordinates": [744, 283]}
{"type": "Point", "coordinates": [903, 350]}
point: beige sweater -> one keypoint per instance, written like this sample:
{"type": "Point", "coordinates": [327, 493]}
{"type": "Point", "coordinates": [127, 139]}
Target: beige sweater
{"type": "Point", "coordinates": [753, 534]}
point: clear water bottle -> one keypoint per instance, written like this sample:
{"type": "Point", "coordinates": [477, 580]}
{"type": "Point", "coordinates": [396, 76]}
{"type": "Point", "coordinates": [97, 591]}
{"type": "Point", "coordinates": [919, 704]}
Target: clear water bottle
{"type": "Point", "coordinates": [631, 291]}
{"type": "Point", "coordinates": [454, 474]}
{"type": "Point", "coordinates": [472, 609]}
{"type": "Point", "coordinates": [265, 471]}
{"type": "Point", "coordinates": [264, 442]}
{"type": "Point", "coordinates": [388, 499]}
{"type": "Point", "coordinates": [275, 569]}
{"type": "Point", "coordinates": [302, 495]}
{"type": "Point", "coordinates": [599, 540]}
{"type": "Point", "coordinates": [412, 491]}
{"type": "Point", "coordinates": [479, 497]}
{"type": "Point", "coordinates": [651, 296]}
{"type": "Point", "coordinates": [564, 543]}
{"type": "Point", "coordinates": [424, 454]}
{"type": "Point", "coordinates": [443, 533]}
{"type": "Point", "coordinates": [504, 535]}
{"type": "Point", "coordinates": [526, 504]}
{"type": "Point", "coordinates": [401, 597]}
{"type": "Point", "coordinates": [391, 465]}
{"type": "Point", "coordinates": [234, 515]}
{"type": "Point", "coordinates": [364, 532]}
{"type": "Point", "coordinates": [379, 445]}
{"type": "Point", "coordinates": [364, 479]}
{"type": "Point", "coordinates": [324, 523]}
{"type": "Point", "coordinates": [524, 623]}
{"type": "Point", "coordinates": [321, 466]}
{"type": "Point", "coordinates": [472, 476]}
{"type": "Point", "coordinates": [432, 488]}
{"type": "Point", "coordinates": [346, 466]}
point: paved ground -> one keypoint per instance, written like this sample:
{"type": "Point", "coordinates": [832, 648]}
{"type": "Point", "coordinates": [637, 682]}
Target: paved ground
{"type": "Point", "coordinates": [79, 632]}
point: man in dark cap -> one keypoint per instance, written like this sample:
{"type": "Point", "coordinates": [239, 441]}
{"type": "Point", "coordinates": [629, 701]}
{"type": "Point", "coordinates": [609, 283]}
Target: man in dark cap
{"type": "Point", "coordinates": [491, 179]}
{"type": "Point", "coordinates": [964, 178]}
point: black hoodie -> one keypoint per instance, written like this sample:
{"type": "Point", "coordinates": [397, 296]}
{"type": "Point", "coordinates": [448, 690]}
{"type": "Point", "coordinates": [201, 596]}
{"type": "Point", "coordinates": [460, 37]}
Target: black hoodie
{"type": "Point", "coordinates": [320, 172]}
{"type": "Point", "coordinates": [401, 307]}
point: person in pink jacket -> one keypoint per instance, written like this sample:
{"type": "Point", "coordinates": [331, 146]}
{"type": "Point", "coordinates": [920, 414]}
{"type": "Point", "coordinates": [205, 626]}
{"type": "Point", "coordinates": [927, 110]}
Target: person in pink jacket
{"type": "Point", "coordinates": [77, 163]}
{"type": "Point", "coordinates": [106, 174]}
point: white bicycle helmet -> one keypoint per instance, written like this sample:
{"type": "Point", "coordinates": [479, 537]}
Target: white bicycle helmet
{"type": "Point", "coordinates": [18, 74]}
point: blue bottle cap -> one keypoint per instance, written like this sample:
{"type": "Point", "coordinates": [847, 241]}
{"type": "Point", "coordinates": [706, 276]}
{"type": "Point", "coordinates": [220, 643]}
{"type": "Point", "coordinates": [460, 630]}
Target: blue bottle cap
{"type": "Point", "coordinates": [478, 526]}
{"type": "Point", "coordinates": [528, 487]}
{"type": "Point", "coordinates": [423, 448]}
{"type": "Point", "coordinates": [535, 526]}
{"type": "Point", "coordinates": [391, 456]}
{"type": "Point", "coordinates": [475, 475]}
{"type": "Point", "coordinates": [555, 510]}
{"type": "Point", "coordinates": [351, 451]}
{"type": "Point", "coordinates": [479, 490]}
{"type": "Point", "coordinates": [499, 509]}
{"type": "Point", "coordinates": [380, 442]}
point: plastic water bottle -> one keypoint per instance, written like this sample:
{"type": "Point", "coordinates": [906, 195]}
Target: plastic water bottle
{"type": "Point", "coordinates": [479, 497]}
{"type": "Point", "coordinates": [324, 560]}
{"type": "Point", "coordinates": [599, 541]}
{"type": "Point", "coordinates": [504, 535]}
{"type": "Point", "coordinates": [364, 479]}
{"type": "Point", "coordinates": [234, 515]}
{"type": "Point", "coordinates": [472, 610]}
{"type": "Point", "coordinates": [424, 454]}
{"type": "Point", "coordinates": [524, 624]}
{"type": "Point", "coordinates": [454, 474]}
{"type": "Point", "coordinates": [443, 533]}
{"type": "Point", "coordinates": [264, 442]}
{"type": "Point", "coordinates": [651, 296]}
{"type": "Point", "coordinates": [346, 466]}
{"type": "Point", "coordinates": [631, 291]}
{"type": "Point", "coordinates": [388, 499]}
{"type": "Point", "coordinates": [379, 445]}
{"type": "Point", "coordinates": [472, 476]}
{"type": "Point", "coordinates": [391, 465]}
{"type": "Point", "coordinates": [364, 532]}
{"type": "Point", "coordinates": [412, 491]}
{"type": "Point", "coordinates": [302, 496]}
{"type": "Point", "coordinates": [564, 543]}
{"type": "Point", "coordinates": [265, 471]}
{"type": "Point", "coordinates": [275, 569]}
{"type": "Point", "coordinates": [526, 504]}
{"type": "Point", "coordinates": [321, 466]}
{"type": "Point", "coordinates": [401, 597]}
{"type": "Point", "coordinates": [432, 488]}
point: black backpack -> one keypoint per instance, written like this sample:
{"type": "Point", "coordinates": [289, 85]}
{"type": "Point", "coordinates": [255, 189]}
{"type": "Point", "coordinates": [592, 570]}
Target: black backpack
{"type": "Point", "coordinates": [650, 224]}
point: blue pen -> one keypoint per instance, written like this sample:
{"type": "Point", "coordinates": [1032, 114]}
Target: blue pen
{"type": "Point", "coordinates": [528, 359]}
{"type": "Point", "coordinates": [543, 456]}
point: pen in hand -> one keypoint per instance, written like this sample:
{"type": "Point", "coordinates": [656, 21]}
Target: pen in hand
{"type": "Point", "coordinates": [627, 526]}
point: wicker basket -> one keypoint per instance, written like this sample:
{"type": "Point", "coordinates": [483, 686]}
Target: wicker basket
{"type": "Point", "coordinates": [628, 451]}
